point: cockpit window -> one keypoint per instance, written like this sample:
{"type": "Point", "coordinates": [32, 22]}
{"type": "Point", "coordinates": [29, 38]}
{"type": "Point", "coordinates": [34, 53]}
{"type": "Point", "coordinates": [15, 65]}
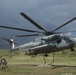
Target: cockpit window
{"type": "Point", "coordinates": [58, 41]}
{"type": "Point", "coordinates": [67, 39]}
{"type": "Point", "coordinates": [64, 38]}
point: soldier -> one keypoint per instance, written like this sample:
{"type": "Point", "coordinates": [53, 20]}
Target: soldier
{"type": "Point", "coordinates": [3, 64]}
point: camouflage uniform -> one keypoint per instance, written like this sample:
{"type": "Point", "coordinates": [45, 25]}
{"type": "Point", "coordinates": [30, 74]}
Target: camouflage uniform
{"type": "Point", "coordinates": [3, 63]}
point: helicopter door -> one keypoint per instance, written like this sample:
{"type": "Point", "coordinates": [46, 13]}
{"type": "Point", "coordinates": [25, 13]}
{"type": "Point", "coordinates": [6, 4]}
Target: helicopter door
{"type": "Point", "coordinates": [58, 41]}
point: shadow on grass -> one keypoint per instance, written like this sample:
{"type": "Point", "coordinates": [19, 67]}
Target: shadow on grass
{"type": "Point", "coordinates": [60, 66]}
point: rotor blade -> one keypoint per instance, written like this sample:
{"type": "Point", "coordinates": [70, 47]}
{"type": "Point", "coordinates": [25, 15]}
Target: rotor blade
{"type": "Point", "coordinates": [50, 33]}
{"type": "Point", "coordinates": [27, 35]}
{"type": "Point", "coordinates": [19, 29]}
{"type": "Point", "coordinates": [6, 39]}
{"type": "Point", "coordinates": [33, 22]}
{"type": "Point", "coordinates": [9, 40]}
{"type": "Point", "coordinates": [66, 31]}
{"type": "Point", "coordinates": [64, 24]}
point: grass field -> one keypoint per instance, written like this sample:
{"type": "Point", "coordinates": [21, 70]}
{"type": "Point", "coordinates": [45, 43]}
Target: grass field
{"type": "Point", "coordinates": [20, 64]}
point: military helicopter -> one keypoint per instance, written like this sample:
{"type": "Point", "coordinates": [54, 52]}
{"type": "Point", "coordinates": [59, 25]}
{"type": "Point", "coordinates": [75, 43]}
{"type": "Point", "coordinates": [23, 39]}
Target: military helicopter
{"type": "Point", "coordinates": [52, 41]}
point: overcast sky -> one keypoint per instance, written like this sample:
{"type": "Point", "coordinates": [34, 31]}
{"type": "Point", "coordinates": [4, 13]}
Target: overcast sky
{"type": "Point", "coordinates": [47, 13]}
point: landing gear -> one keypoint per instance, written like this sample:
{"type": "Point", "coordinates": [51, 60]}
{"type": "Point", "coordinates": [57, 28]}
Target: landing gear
{"type": "Point", "coordinates": [45, 55]}
{"type": "Point", "coordinates": [72, 49]}
{"type": "Point", "coordinates": [53, 59]}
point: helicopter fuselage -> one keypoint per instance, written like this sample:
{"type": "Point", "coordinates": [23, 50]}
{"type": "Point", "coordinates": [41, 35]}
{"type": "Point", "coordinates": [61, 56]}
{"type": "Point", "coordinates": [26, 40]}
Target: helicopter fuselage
{"type": "Point", "coordinates": [48, 44]}
{"type": "Point", "coordinates": [52, 42]}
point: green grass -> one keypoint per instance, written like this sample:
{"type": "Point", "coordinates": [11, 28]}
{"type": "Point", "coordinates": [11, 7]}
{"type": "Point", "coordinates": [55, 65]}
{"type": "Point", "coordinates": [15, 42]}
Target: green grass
{"type": "Point", "coordinates": [18, 64]}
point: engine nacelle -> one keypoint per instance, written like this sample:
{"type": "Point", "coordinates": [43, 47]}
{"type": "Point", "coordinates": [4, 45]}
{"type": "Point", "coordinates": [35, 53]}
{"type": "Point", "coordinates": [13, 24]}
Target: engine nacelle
{"type": "Point", "coordinates": [52, 38]}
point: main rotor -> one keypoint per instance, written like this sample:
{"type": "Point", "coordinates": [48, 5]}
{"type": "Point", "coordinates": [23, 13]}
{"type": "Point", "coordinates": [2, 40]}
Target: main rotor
{"type": "Point", "coordinates": [45, 32]}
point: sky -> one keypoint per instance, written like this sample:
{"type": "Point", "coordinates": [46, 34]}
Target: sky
{"type": "Point", "coordinates": [47, 13]}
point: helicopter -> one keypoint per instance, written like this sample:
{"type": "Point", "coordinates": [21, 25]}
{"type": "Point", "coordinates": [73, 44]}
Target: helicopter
{"type": "Point", "coordinates": [50, 43]}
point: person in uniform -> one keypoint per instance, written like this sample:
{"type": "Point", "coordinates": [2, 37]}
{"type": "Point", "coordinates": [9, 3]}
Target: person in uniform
{"type": "Point", "coordinates": [3, 63]}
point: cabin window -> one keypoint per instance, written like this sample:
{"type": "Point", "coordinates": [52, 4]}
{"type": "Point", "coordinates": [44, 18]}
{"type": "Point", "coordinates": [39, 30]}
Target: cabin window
{"type": "Point", "coordinates": [58, 41]}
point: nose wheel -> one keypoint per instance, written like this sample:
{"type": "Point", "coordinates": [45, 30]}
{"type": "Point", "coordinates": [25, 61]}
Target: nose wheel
{"type": "Point", "coordinates": [72, 49]}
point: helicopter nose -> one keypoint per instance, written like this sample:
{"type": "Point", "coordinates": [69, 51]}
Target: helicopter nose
{"type": "Point", "coordinates": [74, 40]}
{"type": "Point", "coordinates": [75, 43]}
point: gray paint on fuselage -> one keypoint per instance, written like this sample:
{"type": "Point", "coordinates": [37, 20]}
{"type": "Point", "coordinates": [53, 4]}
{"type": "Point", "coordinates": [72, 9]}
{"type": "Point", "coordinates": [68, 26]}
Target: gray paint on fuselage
{"type": "Point", "coordinates": [47, 40]}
